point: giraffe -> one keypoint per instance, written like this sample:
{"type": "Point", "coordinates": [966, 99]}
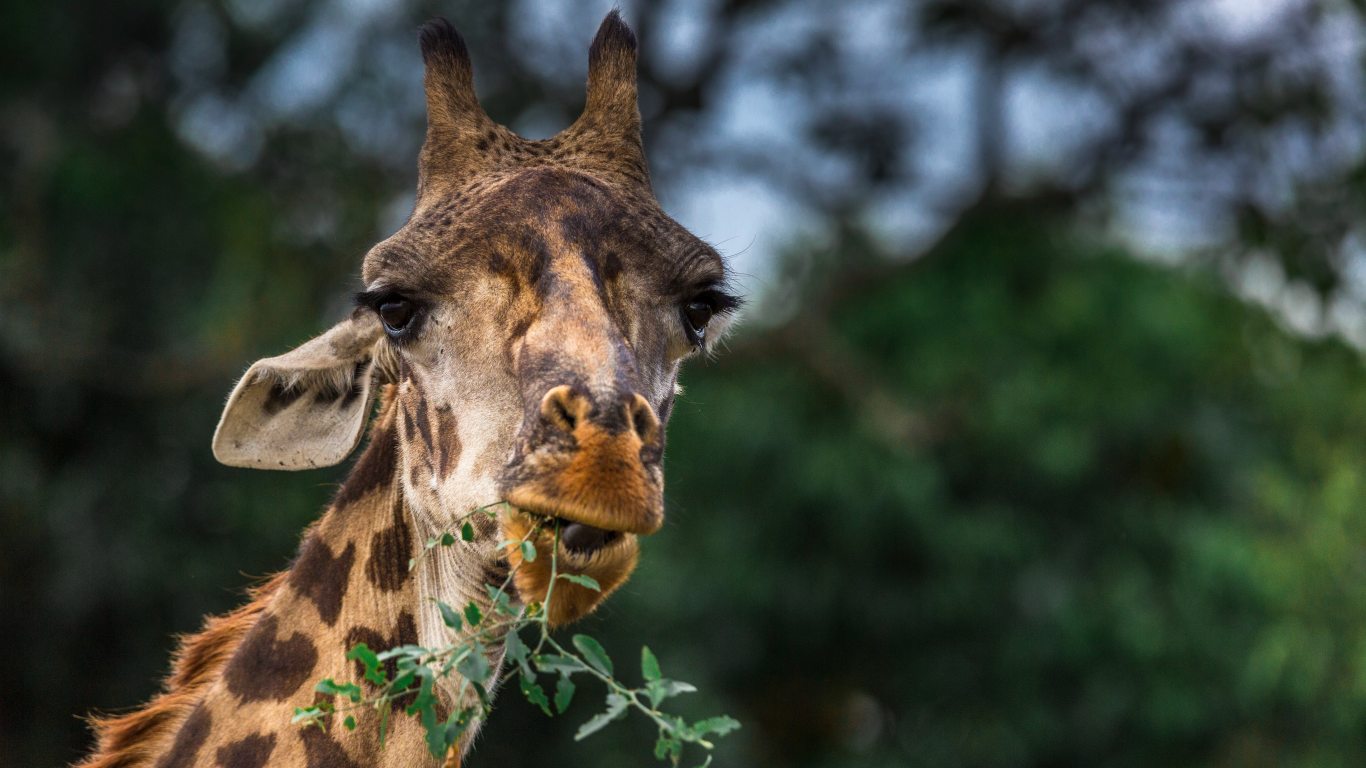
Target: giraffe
{"type": "Point", "coordinates": [523, 335]}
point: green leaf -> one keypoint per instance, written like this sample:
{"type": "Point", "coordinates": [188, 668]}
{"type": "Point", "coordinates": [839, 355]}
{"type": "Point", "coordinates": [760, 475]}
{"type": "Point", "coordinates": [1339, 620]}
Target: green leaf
{"type": "Point", "coordinates": [583, 581]}
{"type": "Point", "coordinates": [593, 653]}
{"type": "Point", "coordinates": [719, 725]}
{"type": "Point", "coordinates": [649, 665]}
{"type": "Point", "coordinates": [364, 655]}
{"type": "Point", "coordinates": [528, 551]}
{"type": "Point", "coordinates": [706, 762]}
{"type": "Point", "coordinates": [449, 616]}
{"type": "Point", "coordinates": [447, 539]}
{"type": "Point", "coordinates": [404, 653]}
{"type": "Point", "coordinates": [350, 723]}
{"type": "Point", "coordinates": [475, 667]}
{"type": "Point", "coordinates": [518, 653]}
{"type": "Point", "coordinates": [593, 726]}
{"type": "Point", "coordinates": [311, 714]}
{"type": "Point", "coordinates": [616, 707]}
{"type": "Point", "coordinates": [516, 649]}
{"type": "Point", "coordinates": [659, 690]}
{"type": "Point", "coordinates": [674, 725]}
{"type": "Point", "coordinates": [425, 700]}
{"type": "Point", "coordinates": [667, 746]}
{"type": "Point", "coordinates": [460, 655]}
{"type": "Point", "coordinates": [535, 694]}
{"type": "Point", "coordinates": [458, 723]}
{"type": "Point", "coordinates": [467, 531]}
{"type": "Point", "coordinates": [473, 615]}
{"type": "Point", "coordinates": [349, 690]}
{"type": "Point", "coordinates": [403, 682]}
{"type": "Point", "coordinates": [565, 665]}
{"type": "Point", "coordinates": [436, 734]}
{"type": "Point", "coordinates": [500, 601]}
{"type": "Point", "coordinates": [564, 693]}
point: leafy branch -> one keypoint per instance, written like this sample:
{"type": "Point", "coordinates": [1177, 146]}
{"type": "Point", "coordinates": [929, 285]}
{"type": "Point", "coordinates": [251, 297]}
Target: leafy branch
{"type": "Point", "coordinates": [405, 676]}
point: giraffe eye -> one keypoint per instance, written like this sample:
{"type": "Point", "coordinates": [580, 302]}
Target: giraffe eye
{"type": "Point", "coordinates": [698, 314]}
{"type": "Point", "coordinates": [396, 315]}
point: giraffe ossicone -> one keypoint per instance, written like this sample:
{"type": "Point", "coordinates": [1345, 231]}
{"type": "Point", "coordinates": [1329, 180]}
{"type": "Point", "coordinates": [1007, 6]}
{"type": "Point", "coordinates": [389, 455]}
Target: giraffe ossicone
{"type": "Point", "coordinates": [523, 334]}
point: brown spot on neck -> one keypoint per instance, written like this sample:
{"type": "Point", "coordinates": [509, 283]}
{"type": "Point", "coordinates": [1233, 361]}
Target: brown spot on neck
{"type": "Point", "coordinates": [188, 740]}
{"type": "Point", "coordinates": [447, 441]}
{"type": "Point", "coordinates": [403, 633]}
{"type": "Point", "coordinates": [267, 668]}
{"type": "Point", "coordinates": [390, 551]}
{"type": "Point", "coordinates": [323, 578]}
{"type": "Point", "coordinates": [375, 468]}
{"type": "Point", "coordinates": [321, 750]}
{"type": "Point", "coordinates": [420, 417]}
{"type": "Point", "coordinates": [251, 752]}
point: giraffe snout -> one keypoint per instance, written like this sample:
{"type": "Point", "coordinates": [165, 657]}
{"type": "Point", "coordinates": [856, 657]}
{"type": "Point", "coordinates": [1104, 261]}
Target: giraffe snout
{"type": "Point", "coordinates": [594, 462]}
{"type": "Point", "coordinates": [567, 409]}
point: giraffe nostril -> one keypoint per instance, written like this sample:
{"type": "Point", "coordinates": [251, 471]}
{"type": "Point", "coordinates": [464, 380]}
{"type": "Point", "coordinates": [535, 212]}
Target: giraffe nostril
{"type": "Point", "coordinates": [563, 416]}
{"type": "Point", "coordinates": [562, 407]}
{"type": "Point", "coordinates": [643, 420]}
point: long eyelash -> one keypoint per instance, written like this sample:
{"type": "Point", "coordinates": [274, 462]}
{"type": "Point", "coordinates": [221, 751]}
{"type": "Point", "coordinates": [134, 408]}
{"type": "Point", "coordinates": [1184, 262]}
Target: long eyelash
{"type": "Point", "coordinates": [721, 302]}
{"type": "Point", "coordinates": [373, 299]}
{"type": "Point", "coordinates": [725, 302]}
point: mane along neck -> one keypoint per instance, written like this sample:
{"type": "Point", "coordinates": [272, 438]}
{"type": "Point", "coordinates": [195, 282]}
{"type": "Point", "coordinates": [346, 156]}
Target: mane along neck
{"type": "Point", "coordinates": [233, 688]}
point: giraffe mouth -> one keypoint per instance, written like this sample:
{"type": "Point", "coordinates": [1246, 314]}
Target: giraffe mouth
{"type": "Point", "coordinates": [576, 538]}
{"type": "Point", "coordinates": [584, 539]}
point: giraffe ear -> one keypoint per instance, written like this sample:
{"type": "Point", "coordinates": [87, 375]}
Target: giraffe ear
{"type": "Point", "coordinates": [306, 408]}
{"type": "Point", "coordinates": [611, 105]}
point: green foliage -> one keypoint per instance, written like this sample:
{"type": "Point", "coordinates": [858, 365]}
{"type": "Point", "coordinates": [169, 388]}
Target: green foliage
{"type": "Point", "coordinates": [467, 658]}
{"type": "Point", "coordinates": [564, 693]}
{"type": "Point", "coordinates": [473, 615]}
{"type": "Point", "coordinates": [593, 653]}
{"type": "Point", "coordinates": [649, 665]}
{"type": "Point", "coordinates": [367, 657]}
{"type": "Point", "coordinates": [583, 581]}
{"type": "Point", "coordinates": [448, 616]}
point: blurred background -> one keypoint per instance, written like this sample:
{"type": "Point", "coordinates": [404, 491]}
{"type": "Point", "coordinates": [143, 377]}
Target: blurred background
{"type": "Point", "coordinates": [1043, 442]}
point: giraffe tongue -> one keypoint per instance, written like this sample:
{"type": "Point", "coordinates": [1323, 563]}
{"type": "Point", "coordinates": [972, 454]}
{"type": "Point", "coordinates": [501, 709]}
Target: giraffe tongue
{"type": "Point", "coordinates": [585, 539]}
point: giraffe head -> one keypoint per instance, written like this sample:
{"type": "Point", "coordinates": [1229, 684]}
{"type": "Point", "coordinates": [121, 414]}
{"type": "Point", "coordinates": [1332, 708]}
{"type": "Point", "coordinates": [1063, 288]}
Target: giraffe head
{"type": "Point", "coordinates": [531, 316]}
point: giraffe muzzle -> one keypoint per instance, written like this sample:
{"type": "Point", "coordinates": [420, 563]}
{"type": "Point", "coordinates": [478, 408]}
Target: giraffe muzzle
{"type": "Point", "coordinates": [597, 465]}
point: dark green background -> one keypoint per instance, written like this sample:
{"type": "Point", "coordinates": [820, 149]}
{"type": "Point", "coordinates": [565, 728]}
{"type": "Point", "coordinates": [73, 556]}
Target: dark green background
{"type": "Point", "coordinates": [1023, 501]}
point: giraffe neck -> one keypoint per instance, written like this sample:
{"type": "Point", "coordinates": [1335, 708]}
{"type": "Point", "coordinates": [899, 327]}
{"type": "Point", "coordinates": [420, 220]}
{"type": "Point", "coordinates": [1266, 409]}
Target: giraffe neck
{"type": "Point", "coordinates": [237, 684]}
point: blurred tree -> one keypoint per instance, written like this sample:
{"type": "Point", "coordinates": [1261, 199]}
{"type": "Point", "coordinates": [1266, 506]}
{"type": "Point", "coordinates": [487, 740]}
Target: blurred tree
{"type": "Point", "coordinates": [135, 283]}
{"type": "Point", "coordinates": [1246, 116]}
{"type": "Point", "coordinates": [1023, 501]}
